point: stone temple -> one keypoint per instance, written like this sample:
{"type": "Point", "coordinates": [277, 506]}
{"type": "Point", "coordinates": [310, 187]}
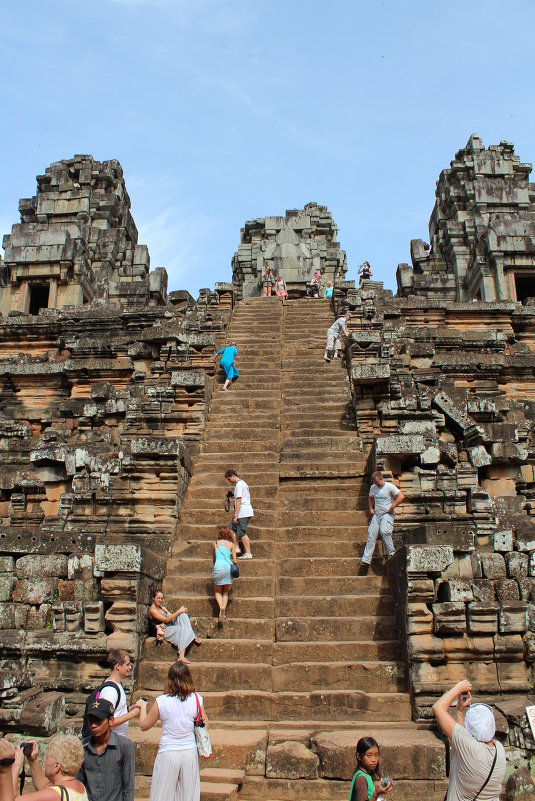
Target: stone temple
{"type": "Point", "coordinates": [114, 438]}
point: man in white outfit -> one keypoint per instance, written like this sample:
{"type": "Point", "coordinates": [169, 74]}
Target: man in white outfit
{"type": "Point", "coordinates": [333, 336]}
{"type": "Point", "coordinates": [382, 501]}
{"type": "Point", "coordinates": [243, 512]}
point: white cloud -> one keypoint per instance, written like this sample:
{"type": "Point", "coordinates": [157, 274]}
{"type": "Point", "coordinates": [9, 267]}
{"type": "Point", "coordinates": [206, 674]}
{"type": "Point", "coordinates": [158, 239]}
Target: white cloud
{"type": "Point", "coordinates": [202, 16]}
{"type": "Point", "coordinates": [176, 234]}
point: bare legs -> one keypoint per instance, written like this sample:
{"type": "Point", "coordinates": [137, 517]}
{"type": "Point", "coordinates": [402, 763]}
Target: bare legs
{"type": "Point", "coordinates": [221, 597]}
{"type": "Point", "coordinates": [227, 383]}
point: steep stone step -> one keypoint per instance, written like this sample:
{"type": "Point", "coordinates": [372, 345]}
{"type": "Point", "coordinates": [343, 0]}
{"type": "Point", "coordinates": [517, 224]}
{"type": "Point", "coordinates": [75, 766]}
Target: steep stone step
{"type": "Point", "coordinates": [227, 775]}
{"type": "Point", "coordinates": [257, 788]}
{"type": "Point", "coordinates": [313, 629]}
{"type": "Point", "coordinates": [263, 493]}
{"type": "Point", "coordinates": [217, 676]}
{"type": "Point", "coordinates": [280, 534]}
{"type": "Point", "coordinates": [199, 586]}
{"type": "Point", "coordinates": [237, 607]}
{"type": "Point", "coordinates": [320, 566]}
{"type": "Point", "coordinates": [348, 651]}
{"type": "Point", "coordinates": [320, 705]}
{"type": "Point", "coordinates": [334, 585]}
{"type": "Point", "coordinates": [342, 606]}
{"type": "Point", "coordinates": [203, 567]}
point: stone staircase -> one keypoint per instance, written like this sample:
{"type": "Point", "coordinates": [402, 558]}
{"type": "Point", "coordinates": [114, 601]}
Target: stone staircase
{"type": "Point", "coordinates": [308, 659]}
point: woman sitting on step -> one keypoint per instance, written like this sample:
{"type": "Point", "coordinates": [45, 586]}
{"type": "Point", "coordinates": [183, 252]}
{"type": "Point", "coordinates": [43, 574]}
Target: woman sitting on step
{"type": "Point", "coordinates": [173, 627]}
{"type": "Point", "coordinates": [224, 555]}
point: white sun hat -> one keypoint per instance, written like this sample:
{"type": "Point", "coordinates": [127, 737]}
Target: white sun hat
{"type": "Point", "coordinates": [479, 722]}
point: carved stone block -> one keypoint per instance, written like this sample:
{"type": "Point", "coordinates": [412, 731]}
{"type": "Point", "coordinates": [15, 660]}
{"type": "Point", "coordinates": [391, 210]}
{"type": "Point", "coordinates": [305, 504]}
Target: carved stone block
{"type": "Point", "coordinates": [503, 540]}
{"type": "Point", "coordinates": [517, 564]}
{"type": "Point", "coordinates": [450, 618]}
{"type": "Point", "coordinates": [122, 616]}
{"type": "Point", "coordinates": [482, 617]}
{"type": "Point", "coordinates": [527, 589]}
{"type": "Point", "coordinates": [465, 648]}
{"type": "Point", "coordinates": [58, 617]}
{"type": "Point", "coordinates": [513, 617]}
{"type": "Point", "coordinates": [419, 619]}
{"type": "Point", "coordinates": [508, 648]}
{"type": "Point", "coordinates": [7, 582]}
{"type": "Point", "coordinates": [73, 617]}
{"type": "Point", "coordinates": [422, 590]}
{"type": "Point", "coordinates": [35, 591]}
{"type": "Point", "coordinates": [493, 565]}
{"type": "Point", "coordinates": [425, 647]}
{"type": "Point", "coordinates": [506, 590]}
{"type": "Point", "coordinates": [428, 559]}
{"type": "Point", "coordinates": [94, 617]}
{"type": "Point", "coordinates": [456, 589]}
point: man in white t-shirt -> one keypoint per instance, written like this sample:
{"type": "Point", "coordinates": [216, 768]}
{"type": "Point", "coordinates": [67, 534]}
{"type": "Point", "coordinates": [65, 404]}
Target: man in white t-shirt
{"type": "Point", "coordinates": [121, 666]}
{"type": "Point", "coordinates": [243, 511]}
{"type": "Point", "coordinates": [382, 501]}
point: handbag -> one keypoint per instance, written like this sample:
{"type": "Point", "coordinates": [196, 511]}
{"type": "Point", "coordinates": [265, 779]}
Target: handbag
{"type": "Point", "coordinates": [234, 570]}
{"type": "Point", "coordinates": [202, 738]}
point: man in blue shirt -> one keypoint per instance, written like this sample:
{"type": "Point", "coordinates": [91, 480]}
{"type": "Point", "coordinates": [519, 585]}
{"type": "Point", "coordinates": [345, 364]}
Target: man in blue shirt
{"type": "Point", "coordinates": [108, 769]}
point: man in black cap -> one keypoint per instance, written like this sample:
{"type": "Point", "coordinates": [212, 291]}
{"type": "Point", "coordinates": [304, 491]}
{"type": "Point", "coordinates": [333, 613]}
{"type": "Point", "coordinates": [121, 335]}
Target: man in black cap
{"type": "Point", "coordinates": [108, 769]}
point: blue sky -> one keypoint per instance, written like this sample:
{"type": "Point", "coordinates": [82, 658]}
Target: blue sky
{"type": "Point", "coordinates": [221, 111]}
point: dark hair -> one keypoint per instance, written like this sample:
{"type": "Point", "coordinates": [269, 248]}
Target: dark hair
{"type": "Point", "coordinates": [155, 592]}
{"type": "Point", "coordinates": [116, 657]}
{"type": "Point", "coordinates": [363, 745]}
{"type": "Point", "coordinates": [225, 534]}
{"type": "Point", "coordinates": [179, 681]}
{"type": "Point", "coordinates": [230, 473]}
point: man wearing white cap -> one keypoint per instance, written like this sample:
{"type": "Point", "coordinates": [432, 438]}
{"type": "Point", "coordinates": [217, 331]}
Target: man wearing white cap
{"type": "Point", "coordinates": [477, 767]}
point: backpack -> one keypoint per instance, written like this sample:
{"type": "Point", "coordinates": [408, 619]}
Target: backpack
{"type": "Point", "coordinates": [86, 731]}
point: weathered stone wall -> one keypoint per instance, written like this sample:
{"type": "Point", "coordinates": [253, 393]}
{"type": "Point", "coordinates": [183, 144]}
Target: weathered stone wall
{"type": "Point", "coordinates": [102, 405]}
{"type": "Point", "coordinates": [294, 246]}
{"type": "Point", "coordinates": [444, 392]}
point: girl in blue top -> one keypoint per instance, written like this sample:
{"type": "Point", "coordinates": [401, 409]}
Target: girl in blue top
{"type": "Point", "coordinates": [362, 786]}
{"type": "Point", "coordinates": [228, 355]}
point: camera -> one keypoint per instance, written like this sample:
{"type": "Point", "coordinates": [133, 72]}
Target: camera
{"type": "Point", "coordinates": [27, 748]}
{"type": "Point", "coordinates": [385, 781]}
{"type": "Point", "coordinates": [464, 696]}
{"type": "Point", "coordinates": [228, 496]}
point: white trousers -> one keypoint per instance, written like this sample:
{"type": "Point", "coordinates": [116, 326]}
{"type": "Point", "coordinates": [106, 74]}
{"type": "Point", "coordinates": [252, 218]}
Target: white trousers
{"type": "Point", "coordinates": [333, 342]}
{"type": "Point", "coordinates": [175, 776]}
{"type": "Point", "coordinates": [384, 526]}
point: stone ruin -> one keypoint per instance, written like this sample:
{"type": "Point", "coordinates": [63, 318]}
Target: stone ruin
{"type": "Point", "coordinates": [106, 381]}
{"type": "Point", "coordinates": [294, 246]}
{"type": "Point", "coordinates": [103, 394]}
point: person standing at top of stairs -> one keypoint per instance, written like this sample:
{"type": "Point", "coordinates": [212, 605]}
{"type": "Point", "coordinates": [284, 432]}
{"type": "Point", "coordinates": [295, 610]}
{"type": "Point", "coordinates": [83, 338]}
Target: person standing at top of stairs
{"type": "Point", "coordinates": [243, 511]}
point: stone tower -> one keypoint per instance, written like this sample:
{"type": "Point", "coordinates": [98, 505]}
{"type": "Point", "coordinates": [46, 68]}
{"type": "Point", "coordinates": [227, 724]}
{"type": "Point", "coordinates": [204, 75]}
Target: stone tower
{"type": "Point", "coordinates": [294, 246]}
{"type": "Point", "coordinates": [77, 243]}
{"type": "Point", "coordinates": [482, 231]}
